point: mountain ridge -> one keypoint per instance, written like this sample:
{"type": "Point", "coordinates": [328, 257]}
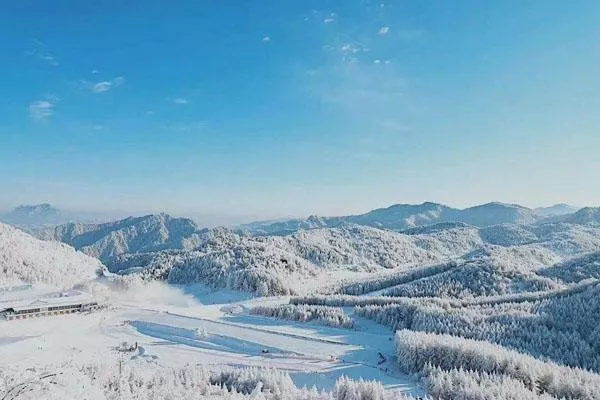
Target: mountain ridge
{"type": "Point", "coordinates": [405, 216]}
{"type": "Point", "coordinates": [130, 235]}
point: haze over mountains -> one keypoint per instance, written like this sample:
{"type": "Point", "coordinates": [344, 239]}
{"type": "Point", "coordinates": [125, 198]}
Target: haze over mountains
{"type": "Point", "coordinates": [555, 210]}
{"type": "Point", "coordinates": [403, 216]}
{"type": "Point", "coordinates": [33, 217]}
{"type": "Point", "coordinates": [398, 216]}
{"type": "Point", "coordinates": [160, 231]}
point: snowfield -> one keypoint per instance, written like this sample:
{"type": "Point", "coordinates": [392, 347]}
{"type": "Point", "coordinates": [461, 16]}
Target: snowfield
{"type": "Point", "coordinates": [175, 327]}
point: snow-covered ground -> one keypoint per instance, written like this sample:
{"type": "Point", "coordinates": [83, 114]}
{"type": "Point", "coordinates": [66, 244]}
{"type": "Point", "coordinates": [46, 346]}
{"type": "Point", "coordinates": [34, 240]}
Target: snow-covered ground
{"type": "Point", "coordinates": [191, 325]}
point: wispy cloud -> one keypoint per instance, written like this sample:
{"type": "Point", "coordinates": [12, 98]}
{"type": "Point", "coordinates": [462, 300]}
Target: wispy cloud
{"type": "Point", "coordinates": [353, 78]}
{"type": "Point", "coordinates": [40, 52]}
{"type": "Point", "coordinates": [180, 100]}
{"type": "Point", "coordinates": [384, 30]}
{"type": "Point", "coordinates": [42, 110]}
{"type": "Point", "coordinates": [330, 18]}
{"type": "Point", "coordinates": [359, 78]}
{"type": "Point", "coordinates": [103, 86]}
{"type": "Point", "coordinates": [266, 38]}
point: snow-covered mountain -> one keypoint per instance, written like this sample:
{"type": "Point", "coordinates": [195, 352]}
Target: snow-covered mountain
{"type": "Point", "coordinates": [24, 258]}
{"type": "Point", "coordinates": [555, 210]}
{"type": "Point", "coordinates": [34, 216]}
{"type": "Point", "coordinates": [130, 235]}
{"type": "Point", "coordinates": [495, 214]}
{"type": "Point", "coordinates": [586, 216]}
{"type": "Point", "coordinates": [404, 216]}
{"type": "Point", "coordinates": [318, 251]}
{"type": "Point", "coordinates": [173, 249]}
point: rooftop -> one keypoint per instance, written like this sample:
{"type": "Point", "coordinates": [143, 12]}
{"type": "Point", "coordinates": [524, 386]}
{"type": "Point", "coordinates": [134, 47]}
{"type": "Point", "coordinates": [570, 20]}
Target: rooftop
{"type": "Point", "coordinates": [42, 297]}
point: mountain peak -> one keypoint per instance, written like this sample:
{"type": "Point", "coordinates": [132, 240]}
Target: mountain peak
{"type": "Point", "coordinates": [33, 216]}
{"type": "Point", "coordinates": [500, 205]}
{"type": "Point", "coordinates": [43, 208]}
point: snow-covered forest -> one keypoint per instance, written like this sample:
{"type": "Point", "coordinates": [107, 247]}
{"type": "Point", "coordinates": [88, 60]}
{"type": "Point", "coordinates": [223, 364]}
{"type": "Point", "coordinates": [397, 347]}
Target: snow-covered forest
{"type": "Point", "coordinates": [455, 367]}
{"type": "Point", "coordinates": [108, 382]}
{"type": "Point", "coordinates": [26, 259]}
{"type": "Point", "coordinates": [350, 258]}
{"type": "Point", "coordinates": [330, 316]}
{"type": "Point", "coordinates": [502, 311]}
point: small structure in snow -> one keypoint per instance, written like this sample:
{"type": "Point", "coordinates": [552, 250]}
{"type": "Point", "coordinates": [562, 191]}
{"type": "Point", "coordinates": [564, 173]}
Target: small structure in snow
{"type": "Point", "coordinates": [127, 347]}
{"type": "Point", "coordinates": [36, 305]}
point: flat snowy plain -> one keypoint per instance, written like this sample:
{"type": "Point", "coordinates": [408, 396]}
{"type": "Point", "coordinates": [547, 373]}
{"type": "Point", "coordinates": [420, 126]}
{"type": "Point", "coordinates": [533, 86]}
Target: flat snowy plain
{"type": "Point", "coordinates": [192, 325]}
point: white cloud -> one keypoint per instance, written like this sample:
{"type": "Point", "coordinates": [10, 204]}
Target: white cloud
{"type": "Point", "coordinates": [101, 87]}
{"type": "Point", "coordinates": [49, 59]}
{"type": "Point", "coordinates": [329, 20]}
{"type": "Point", "coordinates": [41, 110]}
{"type": "Point", "coordinates": [266, 39]}
{"type": "Point", "coordinates": [353, 81]}
{"type": "Point", "coordinates": [180, 100]}
{"type": "Point", "coordinates": [353, 48]}
{"type": "Point", "coordinates": [105, 86]}
{"type": "Point", "coordinates": [384, 30]}
{"type": "Point", "coordinates": [98, 127]}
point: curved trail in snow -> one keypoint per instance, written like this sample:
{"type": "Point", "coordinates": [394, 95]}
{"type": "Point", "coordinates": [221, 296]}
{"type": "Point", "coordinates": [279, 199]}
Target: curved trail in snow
{"type": "Point", "coordinates": [252, 328]}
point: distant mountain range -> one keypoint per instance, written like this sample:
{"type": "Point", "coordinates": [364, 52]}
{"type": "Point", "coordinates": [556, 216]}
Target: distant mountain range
{"type": "Point", "coordinates": [34, 216]}
{"type": "Point", "coordinates": [555, 210]}
{"type": "Point", "coordinates": [506, 242]}
{"type": "Point", "coordinates": [31, 218]}
{"type": "Point", "coordinates": [396, 217]}
{"type": "Point", "coordinates": [405, 216]}
{"type": "Point", "coordinates": [173, 249]}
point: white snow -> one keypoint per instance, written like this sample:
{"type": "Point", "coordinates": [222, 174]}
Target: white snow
{"type": "Point", "coordinates": [173, 328]}
{"type": "Point", "coordinates": [24, 258]}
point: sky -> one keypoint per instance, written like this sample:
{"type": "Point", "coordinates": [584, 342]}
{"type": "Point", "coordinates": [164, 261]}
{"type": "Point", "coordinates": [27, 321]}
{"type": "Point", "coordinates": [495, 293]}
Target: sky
{"type": "Point", "coordinates": [261, 109]}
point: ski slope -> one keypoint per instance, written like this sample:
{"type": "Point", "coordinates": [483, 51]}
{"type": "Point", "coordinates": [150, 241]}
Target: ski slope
{"type": "Point", "coordinates": [192, 326]}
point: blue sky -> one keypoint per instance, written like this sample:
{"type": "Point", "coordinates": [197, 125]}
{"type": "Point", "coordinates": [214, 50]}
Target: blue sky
{"type": "Point", "coordinates": [272, 108]}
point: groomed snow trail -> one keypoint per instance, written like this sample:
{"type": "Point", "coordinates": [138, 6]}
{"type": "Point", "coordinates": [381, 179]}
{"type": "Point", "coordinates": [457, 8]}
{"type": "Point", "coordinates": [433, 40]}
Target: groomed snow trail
{"type": "Point", "coordinates": [175, 328]}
